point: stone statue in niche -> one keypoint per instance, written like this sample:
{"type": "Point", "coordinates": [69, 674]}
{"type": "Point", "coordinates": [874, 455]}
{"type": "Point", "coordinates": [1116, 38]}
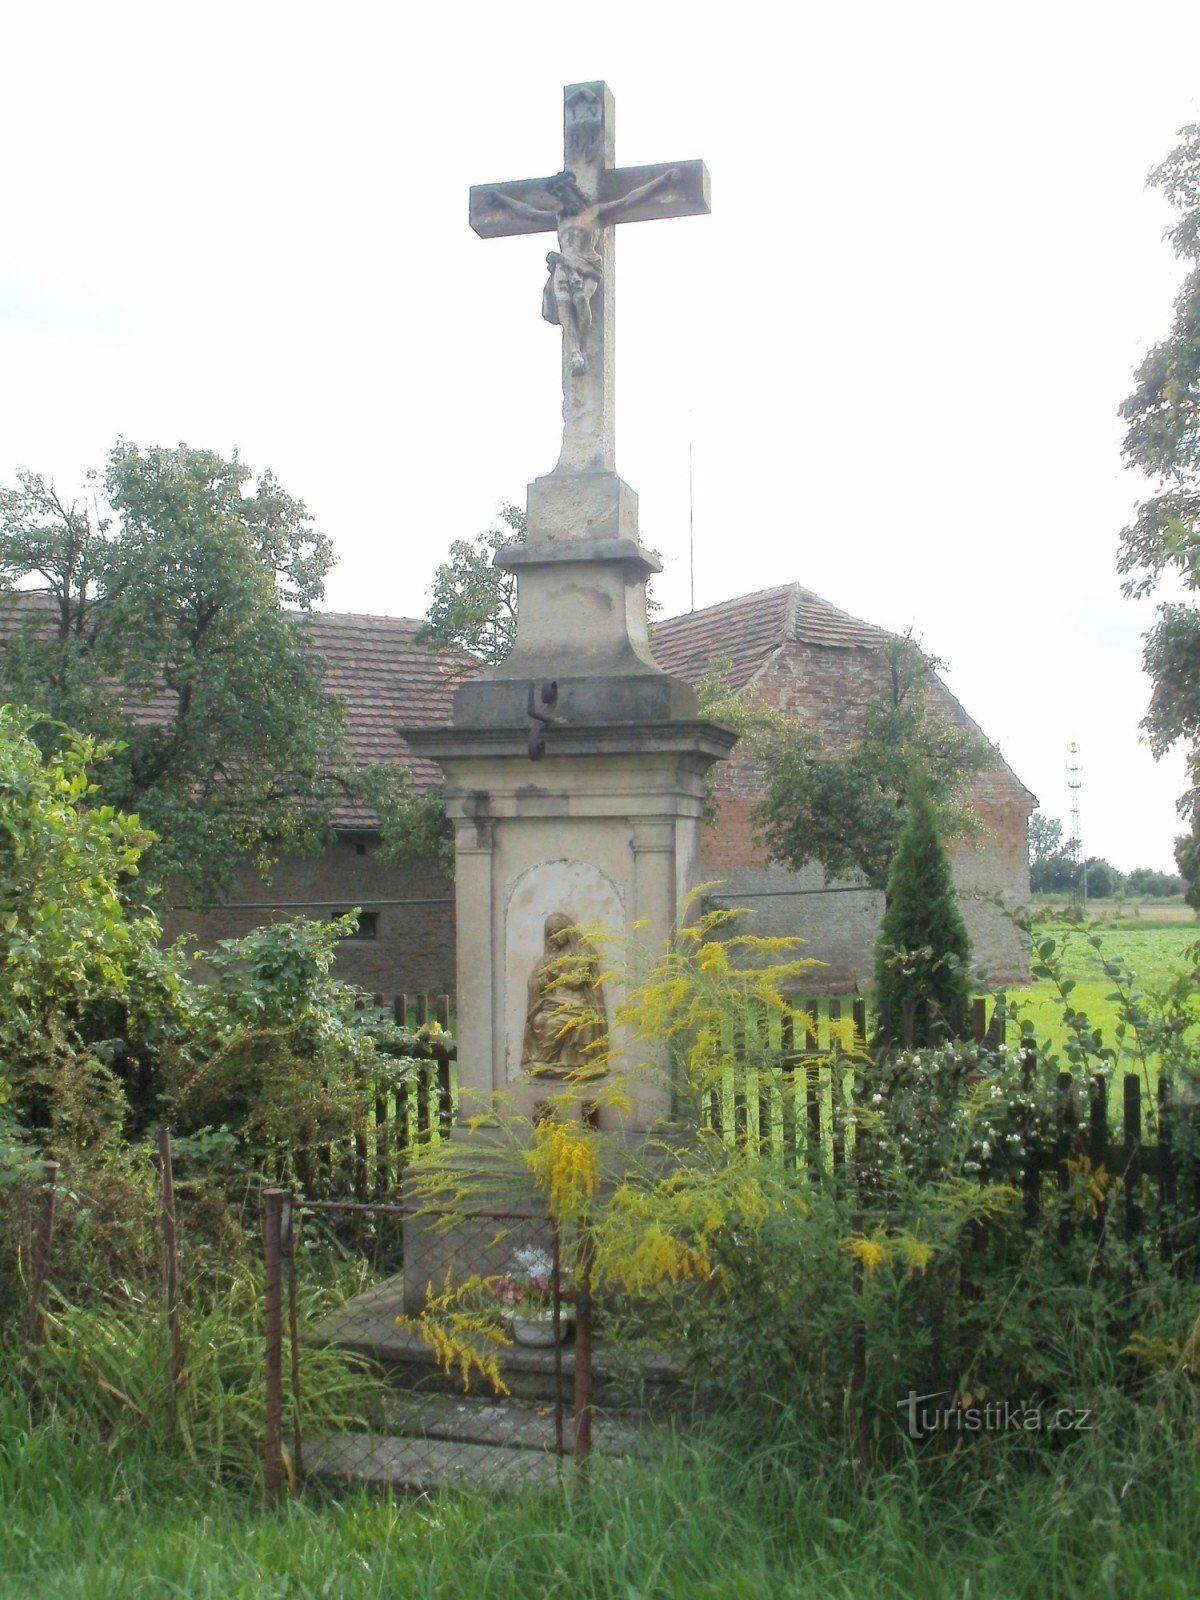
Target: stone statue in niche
{"type": "Point", "coordinates": [565, 1019]}
{"type": "Point", "coordinates": [576, 268]}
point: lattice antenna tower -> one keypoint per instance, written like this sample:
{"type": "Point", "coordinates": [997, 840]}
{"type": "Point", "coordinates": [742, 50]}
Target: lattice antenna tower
{"type": "Point", "coordinates": [1074, 848]}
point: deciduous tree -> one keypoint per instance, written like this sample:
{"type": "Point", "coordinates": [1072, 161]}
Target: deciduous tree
{"type": "Point", "coordinates": [472, 603]}
{"type": "Point", "coordinates": [1163, 542]}
{"type": "Point", "coordinates": [846, 809]}
{"type": "Point", "coordinates": [181, 586]}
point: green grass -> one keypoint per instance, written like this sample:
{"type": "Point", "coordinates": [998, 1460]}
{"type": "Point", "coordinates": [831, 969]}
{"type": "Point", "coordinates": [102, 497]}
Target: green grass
{"type": "Point", "coordinates": [1153, 949]}
{"type": "Point", "coordinates": [769, 1520]}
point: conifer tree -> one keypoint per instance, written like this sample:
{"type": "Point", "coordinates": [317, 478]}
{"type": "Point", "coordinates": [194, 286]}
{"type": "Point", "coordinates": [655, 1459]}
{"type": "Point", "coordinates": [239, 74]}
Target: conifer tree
{"type": "Point", "coordinates": [923, 949]}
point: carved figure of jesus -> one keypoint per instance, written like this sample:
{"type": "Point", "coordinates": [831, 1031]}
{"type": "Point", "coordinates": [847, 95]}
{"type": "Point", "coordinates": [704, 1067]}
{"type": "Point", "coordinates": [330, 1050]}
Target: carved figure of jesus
{"type": "Point", "coordinates": [576, 268]}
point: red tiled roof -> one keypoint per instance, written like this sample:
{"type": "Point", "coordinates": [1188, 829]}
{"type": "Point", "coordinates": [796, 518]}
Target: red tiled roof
{"type": "Point", "coordinates": [387, 682]}
{"type": "Point", "coordinates": [752, 629]}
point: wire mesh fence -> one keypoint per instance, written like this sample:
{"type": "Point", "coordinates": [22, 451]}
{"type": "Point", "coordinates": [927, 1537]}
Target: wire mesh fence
{"type": "Point", "coordinates": [477, 1373]}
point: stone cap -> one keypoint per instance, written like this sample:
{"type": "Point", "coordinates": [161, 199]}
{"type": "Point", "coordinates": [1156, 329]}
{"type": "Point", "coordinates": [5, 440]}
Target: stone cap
{"type": "Point", "coordinates": [549, 553]}
{"type": "Point", "coordinates": [707, 739]}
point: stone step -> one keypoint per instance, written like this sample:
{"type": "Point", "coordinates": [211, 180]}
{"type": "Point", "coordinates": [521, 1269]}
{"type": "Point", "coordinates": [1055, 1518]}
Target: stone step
{"type": "Point", "coordinates": [437, 1441]}
{"type": "Point", "coordinates": [517, 1424]}
{"type": "Point", "coordinates": [367, 1325]}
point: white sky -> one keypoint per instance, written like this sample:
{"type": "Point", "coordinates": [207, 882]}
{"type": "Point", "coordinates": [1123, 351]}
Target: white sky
{"type": "Point", "coordinates": [898, 343]}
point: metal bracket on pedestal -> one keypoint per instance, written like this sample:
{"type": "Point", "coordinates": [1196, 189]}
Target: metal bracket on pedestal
{"type": "Point", "coordinates": [539, 719]}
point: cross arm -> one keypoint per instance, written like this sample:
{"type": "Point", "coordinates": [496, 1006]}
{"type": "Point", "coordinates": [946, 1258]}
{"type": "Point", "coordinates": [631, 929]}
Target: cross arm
{"type": "Point", "coordinates": [687, 194]}
{"type": "Point", "coordinates": [492, 219]}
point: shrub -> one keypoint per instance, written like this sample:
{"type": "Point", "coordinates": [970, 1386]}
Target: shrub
{"type": "Point", "coordinates": [923, 950]}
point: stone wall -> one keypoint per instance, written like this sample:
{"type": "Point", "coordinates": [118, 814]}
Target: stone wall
{"type": "Point", "coordinates": [412, 948]}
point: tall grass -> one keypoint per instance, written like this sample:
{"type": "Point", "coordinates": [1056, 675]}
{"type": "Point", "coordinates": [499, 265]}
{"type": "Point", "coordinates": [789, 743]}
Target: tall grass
{"type": "Point", "coordinates": [713, 1518]}
{"type": "Point", "coordinates": [105, 1368]}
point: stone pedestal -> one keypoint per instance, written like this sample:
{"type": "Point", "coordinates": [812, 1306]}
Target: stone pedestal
{"type": "Point", "coordinates": [605, 828]}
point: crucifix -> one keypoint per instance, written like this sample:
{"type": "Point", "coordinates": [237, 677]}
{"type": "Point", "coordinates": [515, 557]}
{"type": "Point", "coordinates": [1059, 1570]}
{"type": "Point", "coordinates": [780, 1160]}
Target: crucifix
{"type": "Point", "coordinates": [582, 204]}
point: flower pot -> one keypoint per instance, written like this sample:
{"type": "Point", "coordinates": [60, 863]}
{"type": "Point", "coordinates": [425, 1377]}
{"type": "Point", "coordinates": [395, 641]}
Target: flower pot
{"type": "Point", "coordinates": [535, 1327]}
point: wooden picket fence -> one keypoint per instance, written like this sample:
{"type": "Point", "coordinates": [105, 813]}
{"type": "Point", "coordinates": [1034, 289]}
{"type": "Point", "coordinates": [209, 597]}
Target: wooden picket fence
{"type": "Point", "coordinates": [399, 1118]}
{"type": "Point", "coordinates": [800, 1107]}
{"type": "Point", "coordinates": [794, 1098]}
{"type": "Point", "coordinates": [790, 1096]}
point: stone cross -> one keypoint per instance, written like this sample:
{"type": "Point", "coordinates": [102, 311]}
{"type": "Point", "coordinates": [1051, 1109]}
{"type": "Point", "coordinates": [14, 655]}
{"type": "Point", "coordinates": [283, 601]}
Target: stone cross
{"type": "Point", "coordinates": [581, 204]}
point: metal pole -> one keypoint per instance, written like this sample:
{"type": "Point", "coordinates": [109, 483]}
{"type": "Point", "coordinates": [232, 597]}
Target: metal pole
{"type": "Point", "coordinates": [556, 1293]}
{"type": "Point", "coordinates": [170, 1268]}
{"type": "Point", "coordinates": [583, 1348]}
{"type": "Point", "coordinates": [43, 1243]}
{"type": "Point", "coordinates": [289, 1241]}
{"type": "Point", "coordinates": [273, 1205]}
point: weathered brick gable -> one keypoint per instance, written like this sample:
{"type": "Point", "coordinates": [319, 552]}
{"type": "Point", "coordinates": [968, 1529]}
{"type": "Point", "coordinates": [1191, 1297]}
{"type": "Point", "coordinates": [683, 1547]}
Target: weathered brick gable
{"type": "Point", "coordinates": [817, 663]}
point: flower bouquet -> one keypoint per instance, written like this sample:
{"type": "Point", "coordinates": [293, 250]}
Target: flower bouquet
{"type": "Point", "coordinates": [526, 1291]}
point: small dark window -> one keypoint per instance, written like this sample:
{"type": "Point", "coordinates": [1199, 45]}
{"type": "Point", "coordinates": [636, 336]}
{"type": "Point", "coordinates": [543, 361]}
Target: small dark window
{"type": "Point", "coordinates": [368, 924]}
{"type": "Point", "coordinates": [360, 849]}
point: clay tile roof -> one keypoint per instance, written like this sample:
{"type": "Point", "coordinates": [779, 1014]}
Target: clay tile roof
{"type": "Point", "coordinates": [18, 607]}
{"type": "Point", "coordinates": [386, 681]}
{"type": "Point", "coordinates": [752, 628]}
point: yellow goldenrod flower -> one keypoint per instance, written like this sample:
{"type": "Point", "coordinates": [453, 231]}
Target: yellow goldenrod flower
{"type": "Point", "coordinates": [871, 1252]}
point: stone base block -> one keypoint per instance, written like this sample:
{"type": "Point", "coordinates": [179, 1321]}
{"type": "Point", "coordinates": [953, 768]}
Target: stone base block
{"type": "Point", "coordinates": [639, 695]}
{"type": "Point", "coordinates": [563, 506]}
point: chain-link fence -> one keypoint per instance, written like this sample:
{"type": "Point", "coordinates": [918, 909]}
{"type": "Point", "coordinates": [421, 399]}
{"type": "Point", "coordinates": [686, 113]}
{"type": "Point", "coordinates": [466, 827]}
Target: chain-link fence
{"type": "Point", "coordinates": [476, 1354]}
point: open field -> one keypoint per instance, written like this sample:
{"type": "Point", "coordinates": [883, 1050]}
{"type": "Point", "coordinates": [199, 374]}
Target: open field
{"type": "Point", "coordinates": [1155, 949]}
{"type": "Point", "coordinates": [1162, 909]}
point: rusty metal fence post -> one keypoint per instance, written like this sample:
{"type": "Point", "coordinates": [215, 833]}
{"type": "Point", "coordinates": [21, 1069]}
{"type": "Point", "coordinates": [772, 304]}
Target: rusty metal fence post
{"type": "Point", "coordinates": [584, 1329]}
{"type": "Point", "coordinates": [291, 1229]}
{"type": "Point", "coordinates": [170, 1271]}
{"type": "Point", "coordinates": [43, 1244]}
{"type": "Point", "coordinates": [277, 1207]}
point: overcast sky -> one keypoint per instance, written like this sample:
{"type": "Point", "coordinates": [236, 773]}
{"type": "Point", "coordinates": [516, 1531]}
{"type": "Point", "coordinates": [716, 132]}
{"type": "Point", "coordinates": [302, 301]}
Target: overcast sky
{"type": "Point", "coordinates": [897, 346]}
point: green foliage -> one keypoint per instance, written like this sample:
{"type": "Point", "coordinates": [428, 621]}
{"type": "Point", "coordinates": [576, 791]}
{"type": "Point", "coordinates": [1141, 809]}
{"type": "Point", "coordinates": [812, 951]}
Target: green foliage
{"type": "Point", "coordinates": [762, 729]}
{"type": "Point", "coordinates": [413, 825]}
{"type": "Point", "coordinates": [1187, 859]}
{"type": "Point", "coordinates": [1045, 837]}
{"type": "Point", "coordinates": [101, 1034]}
{"type": "Point", "coordinates": [103, 1366]}
{"type": "Point", "coordinates": [723, 1514]}
{"type": "Point", "coordinates": [283, 1051]}
{"type": "Point", "coordinates": [89, 1004]}
{"type": "Point", "coordinates": [1050, 866]}
{"type": "Point", "coordinates": [1149, 884]}
{"type": "Point", "coordinates": [1153, 1015]}
{"type": "Point", "coordinates": [847, 810]}
{"type": "Point", "coordinates": [181, 594]}
{"type": "Point", "coordinates": [922, 951]}
{"type": "Point", "coordinates": [1163, 543]}
{"type": "Point", "coordinates": [1102, 879]}
{"type": "Point", "coordinates": [1156, 957]}
{"type": "Point", "coordinates": [472, 603]}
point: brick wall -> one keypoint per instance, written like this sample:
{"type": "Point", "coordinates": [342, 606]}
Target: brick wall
{"type": "Point", "coordinates": [828, 687]}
